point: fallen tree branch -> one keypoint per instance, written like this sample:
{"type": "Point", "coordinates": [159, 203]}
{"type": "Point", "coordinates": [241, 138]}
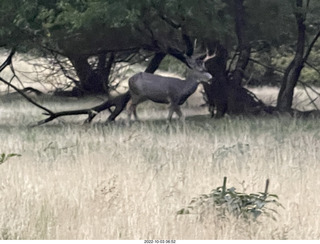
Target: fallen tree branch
{"type": "Point", "coordinates": [118, 102]}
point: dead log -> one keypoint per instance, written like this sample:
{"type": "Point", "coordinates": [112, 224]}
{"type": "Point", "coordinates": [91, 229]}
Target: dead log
{"type": "Point", "coordinates": [119, 103]}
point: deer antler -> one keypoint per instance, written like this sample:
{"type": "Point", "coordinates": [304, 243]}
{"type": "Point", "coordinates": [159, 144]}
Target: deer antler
{"type": "Point", "coordinates": [209, 56]}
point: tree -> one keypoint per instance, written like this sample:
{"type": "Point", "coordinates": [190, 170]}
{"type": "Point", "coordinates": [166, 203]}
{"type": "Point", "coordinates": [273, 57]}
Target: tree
{"type": "Point", "coordinates": [293, 71]}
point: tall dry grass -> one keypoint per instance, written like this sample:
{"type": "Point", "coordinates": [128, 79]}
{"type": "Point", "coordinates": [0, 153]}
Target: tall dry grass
{"type": "Point", "coordinates": [117, 182]}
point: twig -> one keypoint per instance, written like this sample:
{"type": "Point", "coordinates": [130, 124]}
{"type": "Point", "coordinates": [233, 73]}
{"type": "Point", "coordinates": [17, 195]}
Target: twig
{"type": "Point", "coordinates": [62, 68]}
{"type": "Point", "coordinates": [15, 75]}
{"type": "Point", "coordinates": [314, 40]}
{"type": "Point", "coordinates": [266, 66]}
{"type": "Point", "coordinates": [26, 97]}
{"type": "Point", "coordinates": [310, 87]}
{"type": "Point", "coordinates": [8, 60]}
{"type": "Point", "coordinates": [267, 186]}
{"type": "Point", "coordinates": [312, 67]}
{"type": "Point", "coordinates": [311, 100]}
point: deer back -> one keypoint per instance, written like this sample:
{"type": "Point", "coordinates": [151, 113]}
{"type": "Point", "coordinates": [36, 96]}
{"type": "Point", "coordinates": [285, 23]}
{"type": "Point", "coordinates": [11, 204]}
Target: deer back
{"type": "Point", "coordinates": [158, 88]}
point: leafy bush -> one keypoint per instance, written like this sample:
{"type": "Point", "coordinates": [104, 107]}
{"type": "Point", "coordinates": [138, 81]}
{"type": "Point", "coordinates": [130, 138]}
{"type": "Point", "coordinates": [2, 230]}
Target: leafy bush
{"type": "Point", "coordinates": [241, 205]}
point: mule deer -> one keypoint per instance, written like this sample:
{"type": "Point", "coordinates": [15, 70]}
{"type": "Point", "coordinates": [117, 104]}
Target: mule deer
{"type": "Point", "coordinates": [160, 89]}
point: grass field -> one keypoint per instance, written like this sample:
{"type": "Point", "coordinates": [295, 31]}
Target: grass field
{"type": "Point", "coordinates": [75, 181]}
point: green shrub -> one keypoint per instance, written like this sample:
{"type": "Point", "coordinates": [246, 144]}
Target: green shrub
{"type": "Point", "coordinates": [241, 205]}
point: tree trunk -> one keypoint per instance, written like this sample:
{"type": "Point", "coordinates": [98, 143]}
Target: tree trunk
{"type": "Point", "coordinates": [289, 82]}
{"type": "Point", "coordinates": [225, 92]}
{"type": "Point", "coordinates": [82, 67]}
{"type": "Point", "coordinates": [155, 62]}
{"type": "Point", "coordinates": [216, 90]}
{"type": "Point", "coordinates": [93, 81]}
{"type": "Point", "coordinates": [244, 47]}
{"type": "Point", "coordinates": [104, 69]}
{"type": "Point", "coordinates": [293, 71]}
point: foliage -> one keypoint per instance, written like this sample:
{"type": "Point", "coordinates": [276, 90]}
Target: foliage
{"type": "Point", "coordinates": [241, 205]}
{"type": "Point", "coordinates": [42, 21]}
{"type": "Point", "coordinates": [4, 157]}
{"type": "Point", "coordinates": [88, 27]}
{"type": "Point", "coordinates": [26, 22]}
{"type": "Point", "coordinates": [172, 65]}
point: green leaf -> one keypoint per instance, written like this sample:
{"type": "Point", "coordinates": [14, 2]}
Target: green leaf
{"type": "Point", "coordinates": [13, 155]}
{"type": "Point", "coordinates": [4, 157]}
{"type": "Point", "coordinates": [183, 211]}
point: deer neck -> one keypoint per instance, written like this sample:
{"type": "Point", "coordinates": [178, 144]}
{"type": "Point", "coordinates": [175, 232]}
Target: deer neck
{"type": "Point", "coordinates": [192, 79]}
{"type": "Point", "coordinates": [191, 84]}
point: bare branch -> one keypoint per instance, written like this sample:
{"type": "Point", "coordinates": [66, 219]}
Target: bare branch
{"type": "Point", "coordinates": [310, 87]}
{"type": "Point", "coordinates": [15, 75]}
{"type": "Point", "coordinates": [310, 98]}
{"type": "Point", "coordinates": [26, 97]}
{"type": "Point", "coordinates": [8, 61]}
{"type": "Point", "coordinates": [266, 66]}
{"type": "Point", "coordinates": [300, 82]}
{"type": "Point", "coordinates": [314, 40]}
{"type": "Point", "coordinates": [311, 66]}
{"type": "Point", "coordinates": [63, 69]}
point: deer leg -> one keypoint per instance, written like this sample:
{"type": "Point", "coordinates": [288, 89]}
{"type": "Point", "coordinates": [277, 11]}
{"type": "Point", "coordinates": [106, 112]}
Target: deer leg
{"type": "Point", "coordinates": [174, 108]}
{"type": "Point", "coordinates": [171, 109]}
{"type": "Point", "coordinates": [129, 109]}
{"type": "Point", "coordinates": [132, 107]}
{"type": "Point", "coordinates": [178, 111]}
{"type": "Point", "coordinates": [133, 110]}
